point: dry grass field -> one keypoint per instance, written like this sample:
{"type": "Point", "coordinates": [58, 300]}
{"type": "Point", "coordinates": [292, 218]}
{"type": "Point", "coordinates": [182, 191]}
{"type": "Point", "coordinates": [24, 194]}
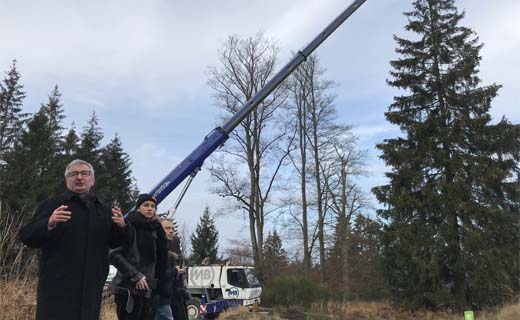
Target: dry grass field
{"type": "Point", "coordinates": [368, 311]}
{"type": "Point", "coordinates": [379, 310]}
{"type": "Point", "coordinates": [17, 302]}
{"type": "Point", "coordinates": [108, 309]}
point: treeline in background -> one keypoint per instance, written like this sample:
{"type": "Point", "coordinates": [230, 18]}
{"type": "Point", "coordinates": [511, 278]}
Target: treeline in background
{"type": "Point", "coordinates": [34, 151]}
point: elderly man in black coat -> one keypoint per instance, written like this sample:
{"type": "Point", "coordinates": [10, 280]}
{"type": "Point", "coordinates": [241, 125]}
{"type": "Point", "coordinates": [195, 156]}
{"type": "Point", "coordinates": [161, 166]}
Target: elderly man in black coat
{"type": "Point", "coordinates": [74, 232]}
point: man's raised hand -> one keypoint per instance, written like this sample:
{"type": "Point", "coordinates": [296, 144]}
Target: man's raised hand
{"type": "Point", "coordinates": [59, 215]}
{"type": "Point", "coordinates": [117, 217]}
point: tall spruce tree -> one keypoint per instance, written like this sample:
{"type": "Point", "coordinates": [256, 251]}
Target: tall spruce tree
{"type": "Point", "coordinates": [12, 120]}
{"type": "Point", "coordinates": [71, 143]}
{"type": "Point", "coordinates": [114, 177]}
{"type": "Point", "coordinates": [69, 147]}
{"type": "Point", "coordinates": [11, 117]}
{"type": "Point", "coordinates": [32, 168]}
{"type": "Point", "coordinates": [91, 136]}
{"type": "Point", "coordinates": [54, 174]}
{"type": "Point", "coordinates": [204, 241]}
{"type": "Point", "coordinates": [452, 203]}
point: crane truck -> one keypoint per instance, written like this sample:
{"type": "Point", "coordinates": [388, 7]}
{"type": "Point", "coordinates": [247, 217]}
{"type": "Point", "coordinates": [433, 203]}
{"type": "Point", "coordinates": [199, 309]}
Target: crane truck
{"type": "Point", "coordinates": [216, 287]}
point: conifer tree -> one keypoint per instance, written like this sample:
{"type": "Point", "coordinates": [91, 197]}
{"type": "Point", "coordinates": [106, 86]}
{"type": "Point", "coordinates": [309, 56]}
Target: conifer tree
{"type": "Point", "coordinates": [12, 120]}
{"type": "Point", "coordinates": [54, 173]}
{"type": "Point", "coordinates": [69, 147]}
{"type": "Point", "coordinates": [11, 117]}
{"type": "Point", "coordinates": [365, 279]}
{"type": "Point", "coordinates": [451, 205]}
{"type": "Point", "coordinates": [204, 242]}
{"type": "Point", "coordinates": [275, 256]}
{"type": "Point", "coordinates": [114, 177]}
{"type": "Point", "coordinates": [71, 143]}
{"type": "Point", "coordinates": [32, 167]}
{"type": "Point", "coordinates": [91, 136]}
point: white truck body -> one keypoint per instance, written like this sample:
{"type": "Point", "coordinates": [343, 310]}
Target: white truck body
{"type": "Point", "coordinates": [238, 283]}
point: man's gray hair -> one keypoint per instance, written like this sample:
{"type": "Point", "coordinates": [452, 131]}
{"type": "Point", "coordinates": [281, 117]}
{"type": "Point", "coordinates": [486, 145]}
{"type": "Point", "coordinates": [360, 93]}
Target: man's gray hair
{"type": "Point", "coordinates": [79, 162]}
{"type": "Point", "coordinates": [164, 217]}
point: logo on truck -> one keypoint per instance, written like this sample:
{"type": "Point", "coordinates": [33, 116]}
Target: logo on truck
{"type": "Point", "coordinates": [233, 292]}
{"type": "Point", "coordinates": [201, 276]}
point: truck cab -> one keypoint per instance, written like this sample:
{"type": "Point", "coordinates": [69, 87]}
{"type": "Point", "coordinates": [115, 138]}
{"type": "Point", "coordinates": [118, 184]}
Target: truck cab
{"type": "Point", "coordinates": [215, 288]}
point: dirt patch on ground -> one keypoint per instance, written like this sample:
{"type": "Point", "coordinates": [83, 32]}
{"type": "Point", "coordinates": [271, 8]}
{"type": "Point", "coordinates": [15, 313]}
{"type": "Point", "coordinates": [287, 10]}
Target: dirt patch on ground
{"type": "Point", "coordinates": [293, 314]}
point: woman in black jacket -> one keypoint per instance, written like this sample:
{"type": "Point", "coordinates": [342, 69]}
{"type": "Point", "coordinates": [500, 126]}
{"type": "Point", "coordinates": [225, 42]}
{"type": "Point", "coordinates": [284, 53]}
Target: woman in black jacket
{"type": "Point", "coordinates": [141, 264]}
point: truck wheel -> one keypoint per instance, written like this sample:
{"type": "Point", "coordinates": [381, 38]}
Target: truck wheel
{"type": "Point", "coordinates": [193, 309]}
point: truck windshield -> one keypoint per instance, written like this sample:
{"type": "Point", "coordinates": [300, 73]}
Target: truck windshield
{"type": "Point", "coordinates": [252, 279]}
{"type": "Point", "coordinates": [243, 278]}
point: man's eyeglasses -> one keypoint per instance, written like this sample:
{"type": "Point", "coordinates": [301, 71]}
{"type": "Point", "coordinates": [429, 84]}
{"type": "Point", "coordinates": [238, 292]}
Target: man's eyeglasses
{"type": "Point", "coordinates": [85, 173]}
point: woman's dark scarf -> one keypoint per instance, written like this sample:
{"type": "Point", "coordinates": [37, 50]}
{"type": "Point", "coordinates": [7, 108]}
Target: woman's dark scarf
{"type": "Point", "coordinates": [149, 253]}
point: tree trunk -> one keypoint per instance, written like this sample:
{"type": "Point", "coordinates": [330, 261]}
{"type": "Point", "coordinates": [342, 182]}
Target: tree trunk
{"type": "Point", "coordinates": [302, 130]}
{"type": "Point", "coordinates": [319, 194]}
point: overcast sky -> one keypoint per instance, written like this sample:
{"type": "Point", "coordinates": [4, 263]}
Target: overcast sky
{"type": "Point", "coordinates": [142, 67]}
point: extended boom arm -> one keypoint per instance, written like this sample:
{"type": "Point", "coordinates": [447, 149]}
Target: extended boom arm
{"type": "Point", "coordinates": [193, 162]}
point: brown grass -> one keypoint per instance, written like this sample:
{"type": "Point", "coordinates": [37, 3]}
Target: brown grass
{"type": "Point", "coordinates": [510, 312]}
{"type": "Point", "coordinates": [17, 299]}
{"type": "Point", "coordinates": [108, 308]}
{"type": "Point", "coordinates": [384, 311]}
{"type": "Point", "coordinates": [243, 313]}
{"type": "Point", "coordinates": [18, 302]}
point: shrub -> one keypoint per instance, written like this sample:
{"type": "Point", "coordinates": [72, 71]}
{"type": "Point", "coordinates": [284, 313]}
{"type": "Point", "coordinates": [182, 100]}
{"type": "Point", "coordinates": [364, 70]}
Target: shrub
{"type": "Point", "coordinates": [290, 291]}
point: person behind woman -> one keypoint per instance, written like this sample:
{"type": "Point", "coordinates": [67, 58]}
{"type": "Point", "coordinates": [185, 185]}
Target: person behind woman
{"type": "Point", "coordinates": [174, 300]}
{"type": "Point", "coordinates": [141, 264]}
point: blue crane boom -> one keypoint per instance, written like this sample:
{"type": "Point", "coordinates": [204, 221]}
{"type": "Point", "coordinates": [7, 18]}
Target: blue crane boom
{"type": "Point", "coordinates": [193, 162]}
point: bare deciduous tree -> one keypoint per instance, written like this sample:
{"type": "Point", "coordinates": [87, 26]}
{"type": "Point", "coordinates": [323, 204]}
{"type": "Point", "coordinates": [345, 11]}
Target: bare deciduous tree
{"type": "Point", "coordinates": [345, 197]}
{"type": "Point", "coordinates": [314, 117]}
{"type": "Point", "coordinates": [300, 92]}
{"type": "Point", "coordinates": [247, 166]}
{"type": "Point", "coordinates": [326, 160]}
{"type": "Point", "coordinates": [240, 254]}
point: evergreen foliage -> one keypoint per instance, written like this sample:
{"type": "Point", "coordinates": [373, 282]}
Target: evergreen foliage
{"type": "Point", "coordinates": [71, 143]}
{"type": "Point", "coordinates": [34, 152]}
{"type": "Point", "coordinates": [91, 136]}
{"type": "Point", "coordinates": [54, 111]}
{"type": "Point", "coordinates": [361, 277]}
{"type": "Point", "coordinates": [275, 256]}
{"type": "Point", "coordinates": [32, 171]}
{"type": "Point", "coordinates": [290, 291]}
{"type": "Point", "coordinates": [116, 184]}
{"type": "Point", "coordinates": [204, 241]}
{"type": "Point", "coordinates": [12, 120]}
{"type": "Point", "coordinates": [452, 202]}
{"type": "Point", "coordinates": [11, 117]}
{"type": "Point", "coordinates": [70, 146]}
